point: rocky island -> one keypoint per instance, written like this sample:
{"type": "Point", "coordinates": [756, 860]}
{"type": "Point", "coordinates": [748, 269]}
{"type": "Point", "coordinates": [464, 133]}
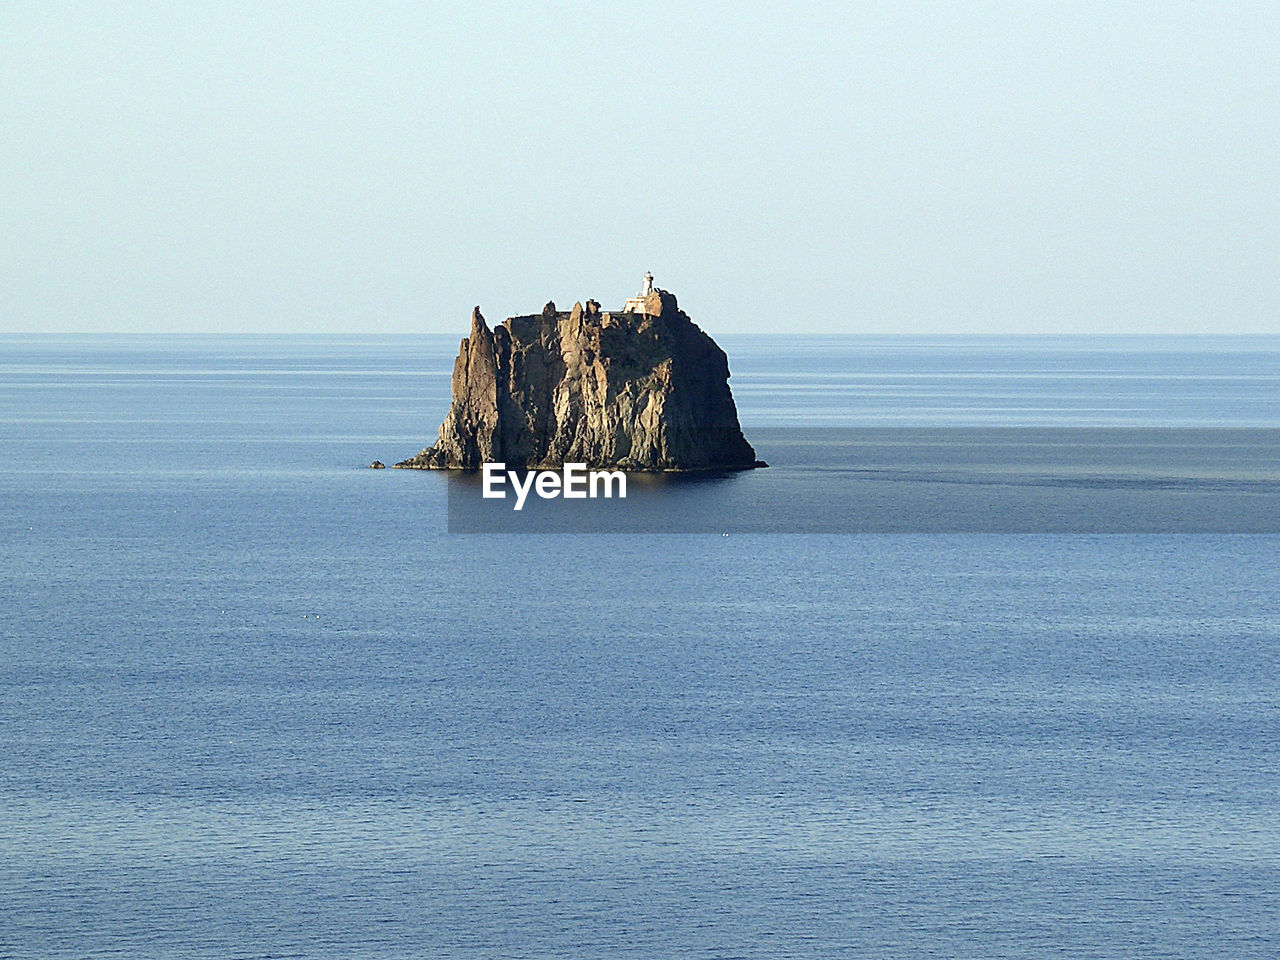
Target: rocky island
{"type": "Point", "coordinates": [642, 389]}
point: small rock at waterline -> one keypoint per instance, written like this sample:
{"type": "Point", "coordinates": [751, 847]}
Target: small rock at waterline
{"type": "Point", "coordinates": [377, 465]}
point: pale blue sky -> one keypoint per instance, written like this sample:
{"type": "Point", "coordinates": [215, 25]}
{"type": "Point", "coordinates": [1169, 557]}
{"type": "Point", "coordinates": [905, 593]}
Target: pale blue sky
{"type": "Point", "coordinates": [888, 167]}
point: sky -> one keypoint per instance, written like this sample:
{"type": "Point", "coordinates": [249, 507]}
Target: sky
{"type": "Point", "coordinates": [889, 168]}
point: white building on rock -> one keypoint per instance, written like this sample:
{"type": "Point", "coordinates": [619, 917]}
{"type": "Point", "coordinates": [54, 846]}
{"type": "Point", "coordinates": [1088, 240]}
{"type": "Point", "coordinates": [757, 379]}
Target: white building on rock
{"type": "Point", "coordinates": [636, 304]}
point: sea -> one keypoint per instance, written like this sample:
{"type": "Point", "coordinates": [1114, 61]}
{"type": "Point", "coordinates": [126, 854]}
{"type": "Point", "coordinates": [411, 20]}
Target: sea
{"type": "Point", "coordinates": [260, 701]}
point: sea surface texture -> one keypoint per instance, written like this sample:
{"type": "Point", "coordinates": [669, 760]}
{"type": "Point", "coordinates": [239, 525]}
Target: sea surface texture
{"type": "Point", "coordinates": [256, 701]}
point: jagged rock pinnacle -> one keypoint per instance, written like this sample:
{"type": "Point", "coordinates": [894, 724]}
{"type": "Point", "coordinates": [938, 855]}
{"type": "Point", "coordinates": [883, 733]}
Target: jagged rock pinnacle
{"type": "Point", "coordinates": [644, 390]}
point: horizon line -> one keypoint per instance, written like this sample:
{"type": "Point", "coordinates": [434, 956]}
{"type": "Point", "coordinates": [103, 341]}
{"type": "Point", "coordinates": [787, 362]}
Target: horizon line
{"type": "Point", "coordinates": [1013, 335]}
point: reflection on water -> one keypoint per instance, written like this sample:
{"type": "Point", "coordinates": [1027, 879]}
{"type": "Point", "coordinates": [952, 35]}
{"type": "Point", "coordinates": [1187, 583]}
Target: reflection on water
{"type": "Point", "coordinates": [933, 480]}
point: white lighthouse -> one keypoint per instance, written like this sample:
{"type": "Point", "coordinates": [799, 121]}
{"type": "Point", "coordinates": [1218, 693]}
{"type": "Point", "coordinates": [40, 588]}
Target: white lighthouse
{"type": "Point", "coordinates": [636, 304]}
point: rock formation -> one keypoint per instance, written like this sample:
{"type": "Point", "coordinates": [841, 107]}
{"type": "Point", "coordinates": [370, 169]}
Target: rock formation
{"type": "Point", "coordinates": [641, 390]}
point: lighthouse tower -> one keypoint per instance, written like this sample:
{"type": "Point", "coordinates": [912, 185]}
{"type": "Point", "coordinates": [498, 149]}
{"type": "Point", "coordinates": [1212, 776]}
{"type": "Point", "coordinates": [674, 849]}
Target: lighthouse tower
{"type": "Point", "coordinates": [636, 304]}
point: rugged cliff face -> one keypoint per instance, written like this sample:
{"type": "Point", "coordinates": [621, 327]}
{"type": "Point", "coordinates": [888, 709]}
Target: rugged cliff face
{"type": "Point", "coordinates": [637, 391]}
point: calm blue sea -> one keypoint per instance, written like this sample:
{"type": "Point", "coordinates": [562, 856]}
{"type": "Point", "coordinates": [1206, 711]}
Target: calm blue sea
{"type": "Point", "coordinates": [256, 702]}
